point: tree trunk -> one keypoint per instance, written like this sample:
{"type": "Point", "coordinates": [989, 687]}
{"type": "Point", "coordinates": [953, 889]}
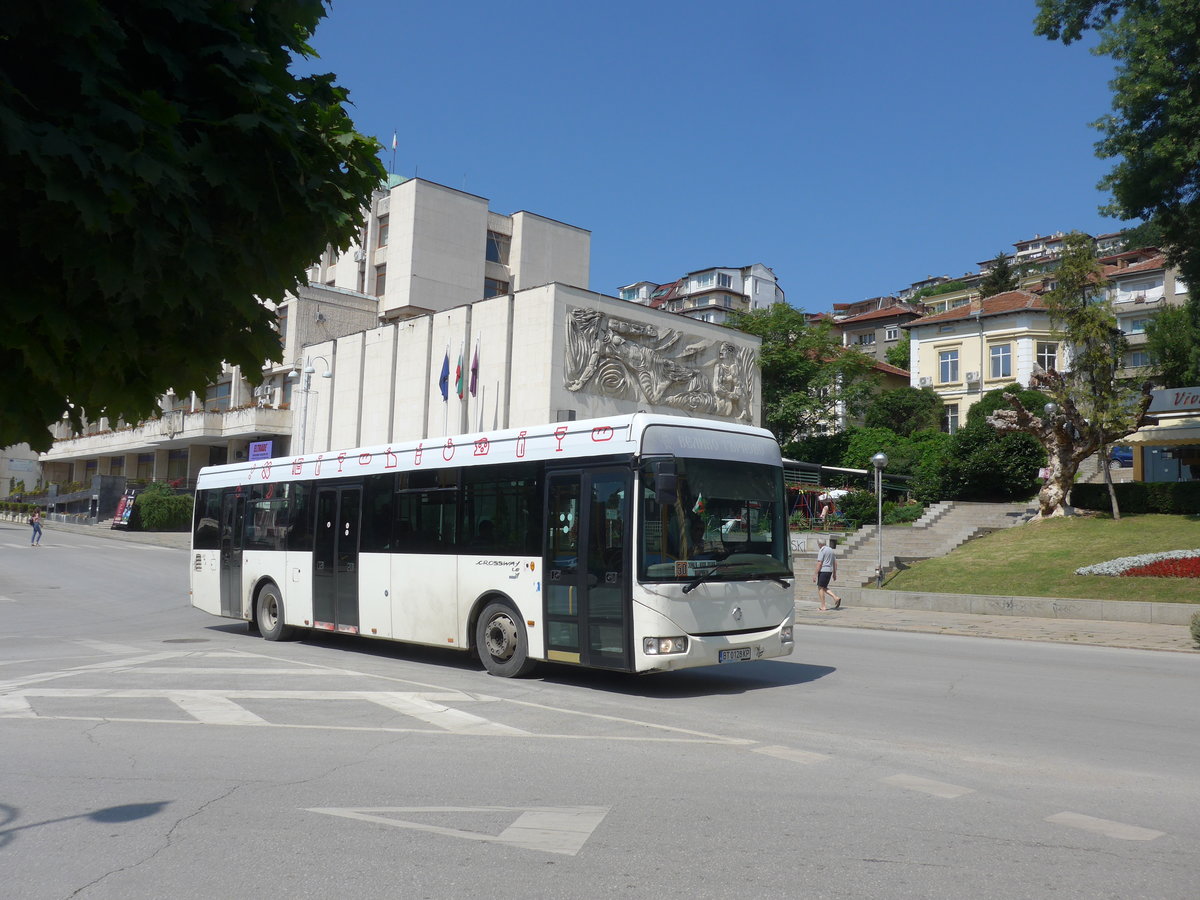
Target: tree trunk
{"type": "Point", "coordinates": [1112, 491]}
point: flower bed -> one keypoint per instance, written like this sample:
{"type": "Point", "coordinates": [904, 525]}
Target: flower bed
{"type": "Point", "coordinates": [1168, 564]}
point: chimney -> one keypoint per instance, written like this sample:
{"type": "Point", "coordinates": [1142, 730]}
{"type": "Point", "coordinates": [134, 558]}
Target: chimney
{"type": "Point", "coordinates": [976, 305]}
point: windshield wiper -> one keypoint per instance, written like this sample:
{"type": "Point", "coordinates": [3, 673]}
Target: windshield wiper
{"type": "Point", "coordinates": [708, 573]}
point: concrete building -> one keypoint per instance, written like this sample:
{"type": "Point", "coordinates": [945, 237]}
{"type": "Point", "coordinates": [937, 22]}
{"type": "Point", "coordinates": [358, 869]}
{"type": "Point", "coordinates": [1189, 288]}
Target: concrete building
{"type": "Point", "coordinates": [422, 247]}
{"type": "Point", "coordinates": [876, 331]}
{"type": "Point", "coordinates": [710, 295]}
{"type": "Point", "coordinates": [436, 281]}
{"type": "Point", "coordinates": [19, 469]}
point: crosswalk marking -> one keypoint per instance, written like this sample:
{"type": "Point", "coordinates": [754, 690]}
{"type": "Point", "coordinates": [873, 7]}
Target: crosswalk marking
{"type": "Point", "coordinates": [792, 755]}
{"type": "Point", "coordinates": [441, 716]}
{"type": "Point", "coordinates": [1106, 827]}
{"type": "Point", "coordinates": [213, 709]}
{"type": "Point", "coordinates": [928, 786]}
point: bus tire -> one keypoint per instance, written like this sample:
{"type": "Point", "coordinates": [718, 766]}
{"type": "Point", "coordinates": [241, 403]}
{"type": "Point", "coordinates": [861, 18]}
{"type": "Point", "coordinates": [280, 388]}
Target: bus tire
{"type": "Point", "coordinates": [501, 642]}
{"type": "Point", "coordinates": [270, 615]}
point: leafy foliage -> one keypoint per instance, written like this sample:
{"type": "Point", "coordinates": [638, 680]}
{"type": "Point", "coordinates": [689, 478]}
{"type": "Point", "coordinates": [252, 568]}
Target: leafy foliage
{"type": "Point", "coordinates": [158, 508]}
{"type": "Point", "coordinates": [979, 463]}
{"type": "Point", "coordinates": [934, 290]}
{"type": "Point", "coordinates": [168, 170]}
{"type": "Point", "coordinates": [1169, 341]}
{"type": "Point", "coordinates": [1154, 129]}
{"type": "Point", "coordinates": [899, 354]}
{"type": "Point", "coordinates": [906, 410]}
{"type": "Point", "coordinates": [1000, 277]}
{"type": "Point", "coordinates": [806, 373]}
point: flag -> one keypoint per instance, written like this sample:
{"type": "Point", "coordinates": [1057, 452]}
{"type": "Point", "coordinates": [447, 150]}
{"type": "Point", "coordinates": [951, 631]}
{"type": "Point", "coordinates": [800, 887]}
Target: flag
{"type": "Point", "coordinates": [699, 509]}
{"type": "Point", "coordinates": [475, 371]}
{"type": "Point", "coordinates": [458, 376]}
{"type": "Point", "coordinates": [444, 381]}
{"type": "Point", "coordinates": [393, 140]}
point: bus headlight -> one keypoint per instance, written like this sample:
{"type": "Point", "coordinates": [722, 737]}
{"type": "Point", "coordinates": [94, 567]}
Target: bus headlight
{"type": "Point", "coordinates": [785, 634]}
{"type": "Point", "coordinates": [655, 646]}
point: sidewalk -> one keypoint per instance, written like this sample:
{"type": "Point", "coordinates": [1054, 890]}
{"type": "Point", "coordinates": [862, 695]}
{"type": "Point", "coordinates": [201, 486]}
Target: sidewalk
{"type": "Point", "coordinates": [1133, 635]}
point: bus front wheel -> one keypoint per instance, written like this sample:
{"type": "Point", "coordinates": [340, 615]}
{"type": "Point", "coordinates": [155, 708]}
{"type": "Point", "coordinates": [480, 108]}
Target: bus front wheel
{"type": "Point", "coordinates": [270, 615]}
{"type": "Point", "coordinates": [501, 642]}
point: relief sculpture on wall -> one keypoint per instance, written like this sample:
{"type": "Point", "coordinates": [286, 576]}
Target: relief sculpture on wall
{"type": "Point", "coordinates": [630, 360]}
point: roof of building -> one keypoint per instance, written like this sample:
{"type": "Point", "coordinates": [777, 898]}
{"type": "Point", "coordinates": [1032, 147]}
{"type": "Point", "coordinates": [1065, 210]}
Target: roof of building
{"type": "Point", "coordinates": [996, 305]}
{"type": "Point", "coordinates": [1146, 265]}
{"type": "Point", "coordinates": [889, 369]}
{"type": "Point", "coordinates": [885, 313]}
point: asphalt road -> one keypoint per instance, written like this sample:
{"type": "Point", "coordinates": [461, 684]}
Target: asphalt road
{"type": "Point", "coordinates": [148, 750]}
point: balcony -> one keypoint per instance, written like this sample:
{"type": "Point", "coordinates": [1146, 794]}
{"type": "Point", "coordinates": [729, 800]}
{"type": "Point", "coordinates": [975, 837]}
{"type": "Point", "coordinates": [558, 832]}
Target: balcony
{"type": "Point", "coordinates": [174, 429]}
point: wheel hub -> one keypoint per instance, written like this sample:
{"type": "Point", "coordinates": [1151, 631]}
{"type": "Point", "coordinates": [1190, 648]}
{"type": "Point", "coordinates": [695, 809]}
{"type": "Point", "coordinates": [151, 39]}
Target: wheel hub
{"type": "Point", "coordinates": [501, 637]}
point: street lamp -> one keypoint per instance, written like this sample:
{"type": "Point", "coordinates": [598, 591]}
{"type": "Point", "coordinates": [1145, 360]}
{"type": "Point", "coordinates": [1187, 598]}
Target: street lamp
{"type": "Point", "coordinates": [879, 461]}
{"type": "Point", "coordinates": [308, 370]}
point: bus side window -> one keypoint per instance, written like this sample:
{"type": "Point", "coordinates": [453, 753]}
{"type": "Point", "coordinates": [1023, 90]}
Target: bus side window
{"type": "Point", "coordinates": [301, 509]}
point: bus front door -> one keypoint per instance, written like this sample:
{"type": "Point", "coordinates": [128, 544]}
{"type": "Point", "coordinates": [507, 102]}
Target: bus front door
{"type": "Point", "coordinates": [587, 584]}
{"type": "Point", "coordinates": [233, 525]}
{"type": "Point", "coordinates": [335, 559]}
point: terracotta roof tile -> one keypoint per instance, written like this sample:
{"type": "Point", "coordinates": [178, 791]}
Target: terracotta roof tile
{"type": "Point", "coordinates": [996, 305]}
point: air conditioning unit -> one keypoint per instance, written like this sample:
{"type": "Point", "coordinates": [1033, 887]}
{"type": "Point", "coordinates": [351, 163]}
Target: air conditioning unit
{"type": "Point", "coordinates": [972, 376]}
{"type": "Point", "coordinates": [925, 381]}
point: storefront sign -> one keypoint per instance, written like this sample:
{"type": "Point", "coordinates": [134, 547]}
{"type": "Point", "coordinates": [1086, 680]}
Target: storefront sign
{"type": "Point", "coordinates": [260, 449]}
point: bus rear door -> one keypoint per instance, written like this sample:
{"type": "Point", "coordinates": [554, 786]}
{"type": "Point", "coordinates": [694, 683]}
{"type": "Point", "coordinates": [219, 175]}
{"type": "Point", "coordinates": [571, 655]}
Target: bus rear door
{"type": "Point", "coordinates": [335, 559]}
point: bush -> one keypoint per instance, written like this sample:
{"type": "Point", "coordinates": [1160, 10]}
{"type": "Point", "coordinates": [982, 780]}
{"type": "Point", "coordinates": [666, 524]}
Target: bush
{"type": "Point", "coordinates": [1134, 497]}
{"type": "Point", "coordinates": [158, 508]}
{"type": "Point", "coordinates": [860, 506]}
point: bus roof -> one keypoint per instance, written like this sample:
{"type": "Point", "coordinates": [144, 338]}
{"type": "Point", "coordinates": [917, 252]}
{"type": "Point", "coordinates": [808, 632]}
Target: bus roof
{"type": "Point", "coordinates": [549, 441]}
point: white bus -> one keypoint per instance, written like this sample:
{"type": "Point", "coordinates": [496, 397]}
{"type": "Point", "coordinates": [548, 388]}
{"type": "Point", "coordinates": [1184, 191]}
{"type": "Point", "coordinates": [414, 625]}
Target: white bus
{"type": "Point", "coordinates": [637, 543]}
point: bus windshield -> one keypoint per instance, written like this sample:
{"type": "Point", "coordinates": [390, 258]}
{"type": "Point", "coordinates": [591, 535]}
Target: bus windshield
{"type": "Point", "coordinates": [721, 517]}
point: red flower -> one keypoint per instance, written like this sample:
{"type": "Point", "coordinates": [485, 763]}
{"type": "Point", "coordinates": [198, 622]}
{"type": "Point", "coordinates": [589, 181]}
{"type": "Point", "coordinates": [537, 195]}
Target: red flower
{"type": "Point", "coordinates": [1187, 567]}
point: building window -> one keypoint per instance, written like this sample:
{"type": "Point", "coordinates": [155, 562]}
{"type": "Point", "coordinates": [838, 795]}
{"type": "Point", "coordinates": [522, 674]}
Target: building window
{"type": "Point", "coordinates": [281, 324]}
{"type": "Point", "coordinates": [1047, 355]}
{"type": "Point", "coordinates": [216, 398]}
{"type": "Point", "coordinates": [1135, 326]}
{"type": "Point", "coordinates": [868, 338]}
{"type": "Point", "coordinates": [626, 293]}
{"type": "Point", "coordinates": [943, 329]}
{"type": "Point", "coordinates": [724, 280]}
{"type": "Point", "coordinates": [498, 246]}
{"type": "Point", "coordinates": [493, 287]}
{"type": "Point", "coordinates": [891, 333]}
{"type": "Point", "coordinates": [380, 279]}
{"type": "Point", "coordinates": [948, 366]}
{"type": "Point", "coordinates": [950, 419]}
{"type": "Point", "coordinates": [1002, 361]}
{"type": "Point", "coordinates": [703, 281]}
{"type": "Point", "coordinates": [116, 465]}
{"type": "Point", "coordinates": [383, 231]}
{"type": "Point", "coordinates": [1137, 358]}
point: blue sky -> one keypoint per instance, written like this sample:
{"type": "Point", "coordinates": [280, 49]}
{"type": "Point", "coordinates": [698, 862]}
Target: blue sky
{"type": "Point", "coordinates": [854, 147]}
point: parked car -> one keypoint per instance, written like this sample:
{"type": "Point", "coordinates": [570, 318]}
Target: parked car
{"type": "Point", "coordinates": [1120, 458]}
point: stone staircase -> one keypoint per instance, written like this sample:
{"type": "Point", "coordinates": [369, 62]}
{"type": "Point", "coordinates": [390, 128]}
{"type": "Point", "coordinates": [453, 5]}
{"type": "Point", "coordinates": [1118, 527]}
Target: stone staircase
{"type": "Point", "coordinates": [943, 527]}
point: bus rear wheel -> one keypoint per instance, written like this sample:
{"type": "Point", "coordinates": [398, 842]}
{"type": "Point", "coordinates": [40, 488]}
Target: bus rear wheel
{"type": "Point", "coordinates": [501, 642]}
{"type": "Point", "coordinates": [270, 615]}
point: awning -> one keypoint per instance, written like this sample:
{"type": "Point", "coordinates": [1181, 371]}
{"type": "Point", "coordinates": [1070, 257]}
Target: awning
{"type": "Point", "coordinates": [1167, 433]}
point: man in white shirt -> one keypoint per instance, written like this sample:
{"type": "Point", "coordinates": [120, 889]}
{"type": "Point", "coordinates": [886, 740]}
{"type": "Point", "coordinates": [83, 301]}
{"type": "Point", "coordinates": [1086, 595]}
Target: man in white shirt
{"type": "Point", "coordinates": [826, 572]}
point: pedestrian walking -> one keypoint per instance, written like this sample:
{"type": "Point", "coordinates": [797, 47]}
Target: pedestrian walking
{"type": "Point", "coordinates": [826, 572]}
{"type": "Point", "coordinates": [35, 540]}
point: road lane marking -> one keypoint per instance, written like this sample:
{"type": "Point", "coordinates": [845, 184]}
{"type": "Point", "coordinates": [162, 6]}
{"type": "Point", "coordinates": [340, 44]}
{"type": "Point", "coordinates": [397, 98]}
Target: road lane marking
{"type": "Point", "coordinates": [16, 706]}
{"type": "Point", "coordinates": [106, 666]}
{"type": "Point", "coordinates": [1106, 827]}
{"type": "Point", "coordinates": [548, 829]}
{"type": "Point", "coordinates": [105, 647]}
{"type": "Point", "coordinates": [798, 756]}
{"type": "Point", "coordinates": [928, 786]}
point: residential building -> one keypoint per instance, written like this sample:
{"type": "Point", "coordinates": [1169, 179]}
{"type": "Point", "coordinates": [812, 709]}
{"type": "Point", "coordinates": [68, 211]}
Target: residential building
{"type": "Point", "coordinates": [878, 330]}
{"type": "Point", "coordinates": [710, 295]}
{"type": "Point", "coordinates": [966, 351]}
{"type": "Point", "coordinates": [19, 469]}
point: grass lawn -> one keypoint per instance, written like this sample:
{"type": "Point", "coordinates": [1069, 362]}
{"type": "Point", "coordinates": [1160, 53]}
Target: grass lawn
{"type": "Point", "coordinates": [1039, 560]}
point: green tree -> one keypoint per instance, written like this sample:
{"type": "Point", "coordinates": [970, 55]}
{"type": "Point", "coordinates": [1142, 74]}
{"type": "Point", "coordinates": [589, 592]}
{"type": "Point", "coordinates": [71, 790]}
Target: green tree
{"type": "Point", "coordinates": [163, 169]}
{"type": "Point", "coordinates": [1000, 277]}
{"type": "Point", "coordinates": [808, 377]}
{"type": "Point", "coordinates": [1094, 407]}
{"type": "Point", "coordinates": [905, 410]}
{"type": "Point", "coordinates": [1169, 343]}
{"type": "Point", "coordinates": [898, 354]}
{"type": "Point", "coordinates": [978, 462]}
{"type": "Point", "coordinates": [1154, 129]}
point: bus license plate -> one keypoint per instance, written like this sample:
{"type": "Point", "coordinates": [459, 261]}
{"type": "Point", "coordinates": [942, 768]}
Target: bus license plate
{"type": "Point", "coordinates": [740, 654]}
